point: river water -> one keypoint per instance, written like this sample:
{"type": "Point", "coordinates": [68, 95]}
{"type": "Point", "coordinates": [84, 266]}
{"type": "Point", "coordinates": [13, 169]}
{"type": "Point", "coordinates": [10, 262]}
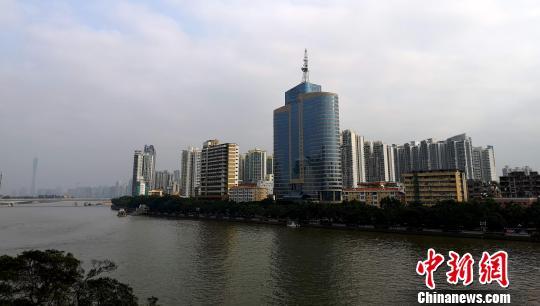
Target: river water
{"type": "Point", "coordinates": [185, 262]}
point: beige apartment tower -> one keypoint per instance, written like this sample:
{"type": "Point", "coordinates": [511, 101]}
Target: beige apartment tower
{"type": "Point", "coordinates": [431, 187]}
{"type": "Point", "coordinates": [219, 169]}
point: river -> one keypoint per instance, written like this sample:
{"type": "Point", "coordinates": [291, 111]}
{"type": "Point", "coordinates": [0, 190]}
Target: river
{"type": "Point", "coordinates": [185, 262]}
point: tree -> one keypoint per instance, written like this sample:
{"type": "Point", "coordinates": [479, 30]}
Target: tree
{"type": "Point", "coordinates": [54, 277]}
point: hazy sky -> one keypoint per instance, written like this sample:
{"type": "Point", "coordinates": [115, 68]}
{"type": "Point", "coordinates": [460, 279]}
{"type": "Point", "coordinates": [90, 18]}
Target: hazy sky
{"type": "Point", "coordinates": [84, 83]}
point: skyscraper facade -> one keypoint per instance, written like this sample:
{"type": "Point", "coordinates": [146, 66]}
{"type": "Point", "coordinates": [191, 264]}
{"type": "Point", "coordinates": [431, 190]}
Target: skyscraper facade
{"type": "Point", "coordinates": [307, 158]}
{"type": "Point", "coordinates": [270, 164]}
{"type": "Point", "coordinates": [484, 164]}
{"type": "Point", "coordinates": [149, 166]}
{"type": "Point", "coordinates": [242, 168]}
{"type": "Point", "coordinates": [377, 161]}
{"type": "Point", "coordinates": [459, 152]}
{"type": "Point", "coordinates": [164, 180]}
{"type": "Point", "coordinates": [352, 159]}
{"type": "Point", "coordinates": [219, 169]}
{"type": "Point", "coordinates": [34, 173]}
{"type": "Point", "coordinates": [138, 178]}
{"type": "Point", "coordinates": [255, 166]}
{"type": "Point", "coordinates": [190, 172]}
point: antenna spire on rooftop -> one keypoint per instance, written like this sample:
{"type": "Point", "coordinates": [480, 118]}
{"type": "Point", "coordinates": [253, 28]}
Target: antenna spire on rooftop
{"type": "Point", "coordinates": [305, 70]}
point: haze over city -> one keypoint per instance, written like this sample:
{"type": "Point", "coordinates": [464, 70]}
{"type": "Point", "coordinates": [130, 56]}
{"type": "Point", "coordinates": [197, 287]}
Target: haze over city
{"type": "Point", "coordinates": [83, 84]}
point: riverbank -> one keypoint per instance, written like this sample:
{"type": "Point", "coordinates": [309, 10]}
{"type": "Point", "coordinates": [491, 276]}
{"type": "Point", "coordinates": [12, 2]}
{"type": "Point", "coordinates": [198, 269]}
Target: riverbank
{"type": "Point", "coordinates": [352, 227]}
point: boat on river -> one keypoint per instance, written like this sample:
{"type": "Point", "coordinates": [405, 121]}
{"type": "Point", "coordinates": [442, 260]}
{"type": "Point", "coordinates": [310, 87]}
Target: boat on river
{"type": "Point", "coordinates": [293, 224]}
{"type": "Point", "coordinates": [122, 213]}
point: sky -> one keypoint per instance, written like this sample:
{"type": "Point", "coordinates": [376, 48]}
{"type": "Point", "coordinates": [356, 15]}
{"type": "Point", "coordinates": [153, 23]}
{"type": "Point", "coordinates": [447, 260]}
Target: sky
{"type": "Point", "coordinates": [85, 83]}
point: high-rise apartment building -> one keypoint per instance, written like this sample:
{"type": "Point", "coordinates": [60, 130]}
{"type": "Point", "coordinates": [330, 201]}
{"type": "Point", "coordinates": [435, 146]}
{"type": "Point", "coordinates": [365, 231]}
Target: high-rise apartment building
{"type": "Point", "coordinates": [144, 168]}
{"type": "Point", "coordinates": [269, 164]}
{"type": "Point", "coordinates": [484, 164]}
{"type": "Point", "coordinates": [242, 168]}
{"type": "Point", "coordinates": [190, 172]}
{"type": "Point", "coordinates": [307, 157]}
{"type": "Point", "coordinates": [353, 164]}
{"type": "Point", "coordinates": [219, 169]}
{"type": "Point", "coordinates": [149, 166]}
{"type": "Point", "coordinates": [138, 182]}
{"type": "Point", "coordinates": [455, 152]}
{"type": "Point", "coordinates": [489, 170]}
{"type": "Point", "coordinates": [255, 166]}
{"type": "Point", "coordinates": [459, 152]}
{"type": "Point", "coordinates": [377, 161]}
{"type": "Point", "coordinates": [164, 181]}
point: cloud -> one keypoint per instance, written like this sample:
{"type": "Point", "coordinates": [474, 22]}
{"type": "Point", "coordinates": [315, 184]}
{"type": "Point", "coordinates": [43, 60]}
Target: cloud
{"type": "Point", "coordinates": [84, 84]}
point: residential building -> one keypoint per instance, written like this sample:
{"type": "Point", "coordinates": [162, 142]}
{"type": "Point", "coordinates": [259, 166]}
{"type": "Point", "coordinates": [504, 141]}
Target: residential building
{"type": "Point", "coordinates": [374, 193]}
{"type": "Point", "coordinates": [507, 170]}
{"type": "Point", "coordinates": [138, 178]}
{"type": "Point", "coordinates": [219, 169]}
{"type": "Point", "coordinates": [156, 192]}
{"type": "Point", "coordinates": [176, 175]}
{"type": "Point", "coordinates": [455, 152]}
{"type": "Point", "coordinates": [431, 187]}
{"type": "Point", "coordinates": [267, 183]}
{"type": "Point", "coordinates": [479, 189]}
{"type": "Point", "coordinates": [489, 170]}
{"type": "Point", "coordinates": [161, 179]}
{"type": "Point", "coordinates": [307, 157]}
{"type": "Point", "coordinates": [247, 193]}
{"type": "Point", "coordinates": [269, 164]}
{"type": "Point", "coordinates": [149, 166]}
{"type": "Point", "coordinates": [518, 183]}
{"type": "Point", "coordinates": [254, 166]}
{"type": "Point", "coordinates": [353, 164]}
{"type": "Point", "coordinates": [164, 180]}
{"type": "Point", "coordinates": [484, 164]}
{"type": "Point", "coordinates": [377, 161]}
{"type": "Point", "coordinates": [190, 173]}
{"type": "Point", "coordinates": [459, 154]}
{"type": "Point", "coordinates": [241, 168]}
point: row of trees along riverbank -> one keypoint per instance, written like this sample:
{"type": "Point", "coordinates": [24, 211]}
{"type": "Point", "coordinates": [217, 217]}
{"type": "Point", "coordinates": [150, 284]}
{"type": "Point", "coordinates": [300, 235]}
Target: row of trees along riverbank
{"type": "Point", "coordinates": [447, 215]}
{"type": "Point", "coordinates": [53, 277]}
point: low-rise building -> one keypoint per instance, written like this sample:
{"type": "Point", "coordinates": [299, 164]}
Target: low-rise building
{"type": "Point", "coordinates": [268, 183]}
{"type": "Point", "coordinates": [247, 193]}
{"type": "Point", "coordinates": [374, 193]}
{"type": "Point", "coordinates": [520, 184]}
{"type": "Point", "coordinates": [431, 187]}
{"type": "Point", "coordinates": [155, 192]}
{"type": "Point", "coordinates": [481, 190]}
{"type": "Point", "coordinates": [525, 202]}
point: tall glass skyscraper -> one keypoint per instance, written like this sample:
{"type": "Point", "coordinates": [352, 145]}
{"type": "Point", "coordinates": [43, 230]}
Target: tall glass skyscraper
{"type": "Point", "coordinates": [307, 159]}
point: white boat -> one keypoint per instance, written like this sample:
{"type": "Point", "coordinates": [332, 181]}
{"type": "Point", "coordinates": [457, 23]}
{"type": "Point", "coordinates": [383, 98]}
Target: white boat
{"type": "Point", "coordinates": [292, 224]}
{"type": "Point", "coordinates": [141, 210]}
{"type": "Point", "coordinates": [122, 213]}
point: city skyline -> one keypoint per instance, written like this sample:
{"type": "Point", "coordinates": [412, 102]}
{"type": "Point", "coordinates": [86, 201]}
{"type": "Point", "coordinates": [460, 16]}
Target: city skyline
{"type": "Point", "coordinates": [102, 71]}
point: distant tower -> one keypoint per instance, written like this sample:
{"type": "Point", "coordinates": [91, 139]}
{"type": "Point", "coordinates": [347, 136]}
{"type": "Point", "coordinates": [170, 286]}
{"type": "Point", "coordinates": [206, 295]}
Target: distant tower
{"type": "Point", "coordinates": [34, 172]}
{"type": "Point", "coordinates": [305, 70]}
{"type": "Point", "coordinates": [149, 166]}
{"type": "Point", "coordinates": [0, 181]}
